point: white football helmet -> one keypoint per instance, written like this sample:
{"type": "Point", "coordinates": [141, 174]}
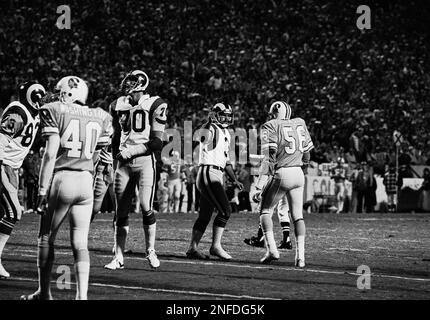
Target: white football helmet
{"type": "Point", "coordinates": [72, 89]}
{"type": "Point", "coordinates": [280, 110]}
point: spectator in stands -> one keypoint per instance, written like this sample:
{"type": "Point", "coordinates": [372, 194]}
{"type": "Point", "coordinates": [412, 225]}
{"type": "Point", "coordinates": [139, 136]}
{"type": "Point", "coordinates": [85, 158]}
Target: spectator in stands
{"type": "Point", "coordinates": [424, 201]}
{"type": "Point", "coordinates": [245, 178]}
{"type": "Point", "coordinates": [190, 185]}
{"type": "Point", "coordinates": [390, 183]}
{"type": "Point", "coordinates": [31, 167]}
{"type": "Point", "coordinates": [362, 184]}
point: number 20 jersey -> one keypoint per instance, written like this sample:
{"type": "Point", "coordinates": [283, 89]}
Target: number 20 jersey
{"type": "Point", "coordinates": [20, 126]}
{"type": "Point", "coordinates": [137, 121]}
{"type": "Point", "coordinates": [81, 130]}
{"type": "Point", "coordinates": [290, 137]}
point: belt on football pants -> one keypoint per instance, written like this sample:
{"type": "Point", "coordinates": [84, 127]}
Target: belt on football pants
{"type": "Point", "coordinates": [213, 167]}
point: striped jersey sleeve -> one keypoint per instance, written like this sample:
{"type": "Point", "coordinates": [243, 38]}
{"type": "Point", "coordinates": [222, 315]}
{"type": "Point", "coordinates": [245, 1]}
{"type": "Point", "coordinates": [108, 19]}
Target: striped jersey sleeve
{"type": "Point", "coordinates": [107, 130]}
{"type": "Point", "coordinates": [13, 121]}
{"type": "Point", "coordinates": [307, 143]}
{"type": "Point", "coordinates": [269, 138]}
{"type": "Point", "coordinates": [158, 115]}
{"type": "Point", "coordinates": [49, 119]}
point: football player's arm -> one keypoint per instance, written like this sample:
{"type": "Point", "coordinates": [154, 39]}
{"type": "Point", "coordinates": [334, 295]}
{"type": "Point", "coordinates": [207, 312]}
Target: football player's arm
{"type": "Point", "coordinates": [269, 148]}
{"type": "Point", "coordinates": [116, 135]}
{"type": "Point", "coordinates": [48, 163]}
{"type": "Point", "coordinates": [105, 138]}
{"type": "Point", "coordinates": [12, 123]}
{"type": "Point", "coordinates": [230, 173]}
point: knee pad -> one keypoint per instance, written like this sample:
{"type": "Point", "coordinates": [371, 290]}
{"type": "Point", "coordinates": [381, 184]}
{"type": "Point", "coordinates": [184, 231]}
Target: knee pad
{"type": "Point", "coordinates": [201, 224]}
{"type": "Point", "coordinates": [122, 222]}
{"type": "Point", "coordinates": [148, 217]}
{"type": "Point", "coordinates": [264, 212]}
{"type": "Point", "coordinates": [222, 218]}
{"type": "Point", "coordinates": [7, 225]}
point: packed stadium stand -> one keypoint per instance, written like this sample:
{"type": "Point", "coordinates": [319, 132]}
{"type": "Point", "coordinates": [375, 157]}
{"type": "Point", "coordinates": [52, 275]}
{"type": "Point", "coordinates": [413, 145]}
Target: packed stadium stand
{"type": "Point", "coordinates": [310, 53]}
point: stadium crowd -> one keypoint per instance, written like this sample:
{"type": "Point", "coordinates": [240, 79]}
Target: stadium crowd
{"type": "Point", "coordinates": [353, 87]}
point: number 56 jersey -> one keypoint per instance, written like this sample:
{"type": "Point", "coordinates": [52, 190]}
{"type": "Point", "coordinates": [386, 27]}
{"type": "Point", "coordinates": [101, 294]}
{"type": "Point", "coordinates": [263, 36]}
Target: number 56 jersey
{"type": "Point", "coordinates": [81, 130]}
{"type": "Point", "coordinates": [290, 138]}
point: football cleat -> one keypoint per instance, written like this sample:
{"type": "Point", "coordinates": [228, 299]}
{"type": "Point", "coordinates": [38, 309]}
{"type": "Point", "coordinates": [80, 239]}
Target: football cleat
{"type": "Point", "coordinates": [115, 264]}
{"type": "Point", "coordinates": [152, 259]}
{"type": "Point", "coordinates": [3, 273]}
{"type": "Point", "coordinates": [196, 255]}
{"type": "Point", "coordinates": [220, 253]}
{"type": "Point", "coordinates": [285, 244]}
{"type": "Point", "coordinates": [255, 242]}
{"type": "Point", "coordinates": [269, 257]}
{"type": "Point", "coordinates": [35, 296]}
{"type": "Point", "coordinates": [299, 263]}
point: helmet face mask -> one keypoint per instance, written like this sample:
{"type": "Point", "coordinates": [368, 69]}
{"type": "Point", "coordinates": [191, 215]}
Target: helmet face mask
{"type": "Point", "coordinates": [136, 81]}
{"type": "Point", "coordinates": [222, 114]}
{"type": "Point", "coordinates": [31, 95]}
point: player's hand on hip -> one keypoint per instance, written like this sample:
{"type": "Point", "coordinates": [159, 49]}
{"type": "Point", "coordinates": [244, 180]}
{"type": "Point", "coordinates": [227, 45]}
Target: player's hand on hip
{"type": "Point", "coordinates": [256, 197]}
{"type": "Point", "coordinates": [42, 201]}
{"type": "Point", "coordinates": [239, 185]}
{"type": "Point", "coordinates": [124, 155]}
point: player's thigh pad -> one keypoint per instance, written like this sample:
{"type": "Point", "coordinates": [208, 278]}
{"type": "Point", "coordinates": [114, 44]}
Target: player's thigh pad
{"type": "Point", "coordinates": [147, 175]}
{"type": "Point", "coordinates": [292, 182]}
{"type": "Point", "coordinates": [124, 187]}
{"type": "Point", "coordinates": [270, 195]}
{"type": "Point", "coordinates": [9, 193]}
{"type": "Point", "coordinates": [211, 186]}
{"type": "Point", "coordinates": [100, 188]}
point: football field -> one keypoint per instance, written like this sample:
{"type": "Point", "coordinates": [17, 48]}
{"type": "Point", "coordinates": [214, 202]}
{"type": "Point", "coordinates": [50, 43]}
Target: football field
{"type": "Point", "coordinates": [395, 247]}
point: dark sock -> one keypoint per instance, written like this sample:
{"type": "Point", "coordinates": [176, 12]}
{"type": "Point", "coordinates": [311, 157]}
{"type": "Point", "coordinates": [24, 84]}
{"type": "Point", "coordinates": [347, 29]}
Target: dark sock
{"type": "Point", "coordinates": [285, 230]}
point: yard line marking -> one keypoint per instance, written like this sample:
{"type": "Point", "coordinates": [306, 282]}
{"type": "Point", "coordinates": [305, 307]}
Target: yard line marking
{"type": "Point", "coordinates": [258, 267]}
{"type": "Point", "coordinates": [194, 293]}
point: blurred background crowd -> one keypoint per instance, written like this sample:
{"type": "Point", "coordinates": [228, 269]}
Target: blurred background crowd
{"type": "Point", "coordinates": [353, 88]}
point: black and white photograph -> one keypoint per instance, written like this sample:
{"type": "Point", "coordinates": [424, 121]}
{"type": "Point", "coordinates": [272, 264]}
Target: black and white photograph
{"type": "Point", "coordinates": [214, 157]}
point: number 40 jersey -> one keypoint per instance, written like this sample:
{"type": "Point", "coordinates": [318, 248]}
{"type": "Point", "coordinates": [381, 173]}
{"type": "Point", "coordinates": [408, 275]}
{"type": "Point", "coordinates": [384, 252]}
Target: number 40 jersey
{"type": "Point", "coordinates": [290, 138]}
{"type": "Point", "coordinates": [81, 130]}
{"type": "Point", "coordinates": [19, 127]}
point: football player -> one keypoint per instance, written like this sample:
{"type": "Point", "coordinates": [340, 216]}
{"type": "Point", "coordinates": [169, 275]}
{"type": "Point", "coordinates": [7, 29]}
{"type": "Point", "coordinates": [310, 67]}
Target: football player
{"type": "Point", "coordinates": [286, 144]}
{"type": "Point", "coordinates": [103, 178]}
{"type": "Point", "coordinates": [72, 132]}
{"type": "Point", "coordinates": [174, 183]}
{"type": "Point", "coordinates": [214, 159]}
{"type": "Point", "coordinates": [19, 125]}
{"type": "Point", "coordinates": [282, 210]}
{"type": "Point", "coordinates": [139, 122]}
{"type": "Point", "coordinates": [339, 176]}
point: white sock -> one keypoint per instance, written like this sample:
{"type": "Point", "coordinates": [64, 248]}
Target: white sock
{"type": "Point", "coordinates": [300, 249]}
{"type": "Point", "coordinates": [82, 271]}
{"type": "Point", "coordinates": [3, 240]}
{"type": "Point", "coordinates": [121, 238]}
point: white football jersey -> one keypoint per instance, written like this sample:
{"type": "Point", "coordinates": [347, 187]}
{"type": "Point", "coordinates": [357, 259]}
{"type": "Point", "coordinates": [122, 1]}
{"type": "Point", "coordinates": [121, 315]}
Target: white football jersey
{"type": "Point", "coordinates": [20, 126]}
{"type": "Point", "coordinates": [137, 121]}
{"type": "Point", "coordinates": [215, 148]}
